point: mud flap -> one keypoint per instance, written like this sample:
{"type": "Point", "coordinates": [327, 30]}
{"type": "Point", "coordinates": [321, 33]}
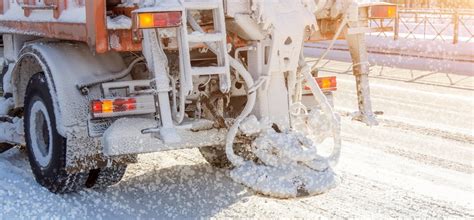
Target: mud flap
{"type": "Point", "coordinates": [4, 147]}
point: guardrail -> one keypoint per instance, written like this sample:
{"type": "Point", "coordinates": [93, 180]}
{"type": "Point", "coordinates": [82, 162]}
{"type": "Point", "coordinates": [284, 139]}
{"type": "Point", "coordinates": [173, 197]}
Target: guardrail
{"type": "Point", "coordinates": [430, 24]}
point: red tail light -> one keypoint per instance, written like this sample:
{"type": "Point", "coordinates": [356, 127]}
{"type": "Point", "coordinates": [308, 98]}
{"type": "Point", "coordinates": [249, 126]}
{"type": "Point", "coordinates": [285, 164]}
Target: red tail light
{"type": "Point", "coordinates": [159, 19]}
{"type": "Point", "coordinates": [122, 106]}
{"type": "Point", "coordinates": [97, 106]}
{"type": "Point", "coordinates": [327, 83]}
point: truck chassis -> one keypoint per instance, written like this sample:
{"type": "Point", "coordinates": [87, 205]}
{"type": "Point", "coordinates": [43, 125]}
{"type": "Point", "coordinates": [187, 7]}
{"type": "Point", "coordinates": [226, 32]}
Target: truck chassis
{"type": "Point", "coordinates": [95, 83]}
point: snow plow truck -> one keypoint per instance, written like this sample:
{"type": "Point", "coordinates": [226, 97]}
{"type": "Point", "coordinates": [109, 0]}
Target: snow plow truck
{"type": "Point", "coordinates": [90, 84]}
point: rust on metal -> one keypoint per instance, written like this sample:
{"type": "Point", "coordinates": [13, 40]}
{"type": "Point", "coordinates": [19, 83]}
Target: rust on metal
{"type": "Point", "coordinates": [100, 21]}
{"type": "Point", "coordinates": [3, 6]}
{"type": "Point", "coordinates": [57, 30]}
{"type": "Point", "coordinates": [124, 41]}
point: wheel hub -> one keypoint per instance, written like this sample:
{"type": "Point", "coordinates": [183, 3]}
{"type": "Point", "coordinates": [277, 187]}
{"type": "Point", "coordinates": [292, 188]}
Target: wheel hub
{"type": "Point", "coordinates": [41, 135]}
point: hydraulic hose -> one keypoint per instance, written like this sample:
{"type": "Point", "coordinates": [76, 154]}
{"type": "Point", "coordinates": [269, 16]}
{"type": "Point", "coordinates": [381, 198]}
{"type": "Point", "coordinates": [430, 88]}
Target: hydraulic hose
{"type": "Point", "coordinates": [251, 99]}
{"type": "Point", "coordinates": [333, 41]}
{"type": "Point", "coordinates": [113, 77]}
{"type": "Point", "coordinates": [318, 95]}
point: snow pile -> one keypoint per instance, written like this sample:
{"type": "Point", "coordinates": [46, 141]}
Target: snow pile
{"type": "Point", "coordinates": [436, 49]}
{"type": "Point", "coordinates": [12, 132]}
{"type": "Point", "coordinates": [128, 3]}
{"type": "Point", "coordinates": [285, 182]}
{"type": "Point", "coordinates": [6, 105]}
{"type": "Point", "coordinates": [406, 53]}
{"type": "Point", "coordinates": [288, 163]}
{"type": "Point", "coordinates": [11, 129]}
{"type": "Point", "coordinates": [121, 22]}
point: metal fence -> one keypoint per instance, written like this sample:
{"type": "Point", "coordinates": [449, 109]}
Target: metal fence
{"type": "Point", "coordinates": [430, 24]}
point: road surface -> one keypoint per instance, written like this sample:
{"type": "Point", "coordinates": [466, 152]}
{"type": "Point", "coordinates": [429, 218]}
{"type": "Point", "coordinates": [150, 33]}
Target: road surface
{"type": "Point", "coordinates": [417, 162]}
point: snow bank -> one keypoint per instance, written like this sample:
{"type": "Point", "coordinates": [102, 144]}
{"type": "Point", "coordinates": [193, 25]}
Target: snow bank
{"type": "Point", "coordinates": [119, 23]}
{"type": "Point", "coordinates": [6, 105]}
{"type": "Point", "coordinates": [408, 54]}
{"type": "Point", "coordinates": [11, 129]}
{"type": "Point", "coordinates": [12, 132]}
{"type": "Point", "coordinates": [435, 49]}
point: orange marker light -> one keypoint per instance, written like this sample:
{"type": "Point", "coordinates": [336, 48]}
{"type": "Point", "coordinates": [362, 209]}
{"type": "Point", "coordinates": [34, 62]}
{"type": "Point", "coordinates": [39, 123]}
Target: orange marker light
{"type": "Point", "coordinates": [159, 19]}
{"type": "Point", "coordinates": [107, 106]}
{"type": "Point", "coordinates": [325, 83]}
{"type": "Point", "coordinates": [146, 20]}
{"type": "Point", "coordinates": [392, 12]}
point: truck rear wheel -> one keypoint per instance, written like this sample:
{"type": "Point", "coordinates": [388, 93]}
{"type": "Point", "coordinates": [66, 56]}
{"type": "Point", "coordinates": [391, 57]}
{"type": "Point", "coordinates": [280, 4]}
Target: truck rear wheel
{"type": "Point", "coordinates": [45, 146]}
{"type": "Point", "coordinates": [105, 177]}
{"type": "Point", "coordinates": [217, 157]}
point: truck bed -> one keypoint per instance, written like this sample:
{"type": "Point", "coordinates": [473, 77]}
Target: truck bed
{"type": "Point", "coordinates": [76, 20]}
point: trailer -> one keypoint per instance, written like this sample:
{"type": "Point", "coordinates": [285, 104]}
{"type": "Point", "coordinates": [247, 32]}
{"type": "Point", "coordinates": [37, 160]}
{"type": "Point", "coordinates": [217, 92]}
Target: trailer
{"type": "Point", "coordinates": [89, 85]}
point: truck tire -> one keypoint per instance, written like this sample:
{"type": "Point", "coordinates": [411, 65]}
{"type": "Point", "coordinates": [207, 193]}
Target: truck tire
{"type": "Point", "coordinates": [105, 177]}
{"type": "Point", "coordinates": [46, 148]}
{"type": "Point", "coordinates": [4, 147]}
{"type": "Point", "coordinates": [216, 156]}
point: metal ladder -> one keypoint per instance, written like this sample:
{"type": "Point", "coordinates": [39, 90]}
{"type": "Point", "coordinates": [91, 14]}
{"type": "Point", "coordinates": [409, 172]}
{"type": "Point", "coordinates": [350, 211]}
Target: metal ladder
{"type": "Point", "coordinates": [216, 41]}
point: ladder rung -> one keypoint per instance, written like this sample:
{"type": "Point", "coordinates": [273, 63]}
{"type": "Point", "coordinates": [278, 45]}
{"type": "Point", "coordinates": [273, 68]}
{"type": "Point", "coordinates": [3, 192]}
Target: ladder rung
{"type": "Point", "coordinates": [201, 38]}
{"type": "Point", "coordinates": [199, 71]}
{"type": "Point", "coordinates": [201, 4]}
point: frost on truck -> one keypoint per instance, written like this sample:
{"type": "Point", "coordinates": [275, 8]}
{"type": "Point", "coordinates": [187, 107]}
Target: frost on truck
{"type": "Point", "coordinates": [89, 85]}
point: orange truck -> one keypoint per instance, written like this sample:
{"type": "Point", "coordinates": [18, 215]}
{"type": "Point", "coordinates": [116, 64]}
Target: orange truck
{"type": "Point", "coordinates": [90, 84]}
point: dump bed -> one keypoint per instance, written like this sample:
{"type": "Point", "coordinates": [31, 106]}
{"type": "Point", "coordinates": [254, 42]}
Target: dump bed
{"type": "Point", "coordinates": [78, 20]}
{"type": "Point", "coordinates": [107, 24]}
{"type": "Point", "coordinates": [103, 24]}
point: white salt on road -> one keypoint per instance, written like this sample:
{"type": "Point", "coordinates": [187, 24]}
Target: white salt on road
{"type": "Point", "coordinates": [418, 162]}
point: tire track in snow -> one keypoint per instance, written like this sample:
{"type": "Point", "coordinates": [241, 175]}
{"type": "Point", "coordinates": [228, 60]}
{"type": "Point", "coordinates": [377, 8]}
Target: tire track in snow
{"type": "Point", "coordinates": [422, 158]}
{"type": "Point", "coordinates": [365, 197]}
{"type": "Point", "coordinates": [410, 128]}
{"type": "Point", "coordinates": [148, 184]}
{"type": "Point", "coordinates": [463, 138]}
{"type": "Point", "coordinates": [457, 143]}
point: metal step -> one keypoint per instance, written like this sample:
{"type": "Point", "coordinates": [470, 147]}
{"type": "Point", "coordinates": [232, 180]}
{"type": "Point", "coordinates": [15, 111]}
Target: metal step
{"type": "Point", "coordinates": [200, 71]}
{"type": "Point", "coordinates": [217, 41]}
{"type": "Point", "coordinates": [201, 38]}
{"type": "Point", "coordinates": [201, 4]}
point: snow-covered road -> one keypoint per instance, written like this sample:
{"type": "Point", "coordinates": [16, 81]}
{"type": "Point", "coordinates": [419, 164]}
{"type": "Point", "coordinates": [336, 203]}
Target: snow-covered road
{"type": "Point", "coordinates": [418, 162]}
